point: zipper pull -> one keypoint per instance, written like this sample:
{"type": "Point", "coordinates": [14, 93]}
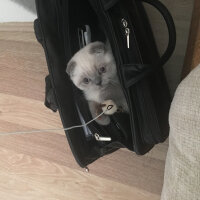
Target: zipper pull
{"type": "Point", "coordinates": [100, 138]}
{"type": "Point", "coordinates": [127, 33]}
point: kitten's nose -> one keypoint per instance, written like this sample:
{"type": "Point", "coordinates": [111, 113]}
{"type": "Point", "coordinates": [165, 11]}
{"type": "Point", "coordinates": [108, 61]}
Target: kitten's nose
{"type": "Point", "coordinates": [98, 81]}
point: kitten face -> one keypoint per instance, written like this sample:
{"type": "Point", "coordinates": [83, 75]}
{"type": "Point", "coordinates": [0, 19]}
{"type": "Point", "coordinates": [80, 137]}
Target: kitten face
{"type": "Point", "coordinates": [93, 67]}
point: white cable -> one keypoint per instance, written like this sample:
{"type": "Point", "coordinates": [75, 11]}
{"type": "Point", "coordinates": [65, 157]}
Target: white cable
{"type": "Point", "coordinates": [55, 129]}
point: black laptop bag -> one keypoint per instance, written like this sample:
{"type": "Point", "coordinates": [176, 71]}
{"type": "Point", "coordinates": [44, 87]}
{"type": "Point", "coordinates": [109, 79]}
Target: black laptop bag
{"type": "Point", "coordinates": [139, 66]}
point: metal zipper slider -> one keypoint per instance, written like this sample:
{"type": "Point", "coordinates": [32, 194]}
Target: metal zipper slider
{"type": "Point", "coordinates": [124, 23]}
{"type": "Point", "coordinates": [127, 33]}
{"type": "Point", "coordinates": [100, 138]}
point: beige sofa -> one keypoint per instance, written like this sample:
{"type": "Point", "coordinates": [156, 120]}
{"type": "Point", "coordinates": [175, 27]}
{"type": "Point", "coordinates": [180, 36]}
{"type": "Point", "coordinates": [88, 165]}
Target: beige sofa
{"type": "Point", "coordinates": [182, 169]}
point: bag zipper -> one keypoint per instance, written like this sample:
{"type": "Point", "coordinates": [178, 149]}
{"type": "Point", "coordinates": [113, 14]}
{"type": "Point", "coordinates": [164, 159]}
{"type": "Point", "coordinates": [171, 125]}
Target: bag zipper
{"type": "Point", "coordinates": [125, 24]}
{"type": "Point", "coordinates": [101, 138]}
{"type": "Point", "coordinates": [126, 31]}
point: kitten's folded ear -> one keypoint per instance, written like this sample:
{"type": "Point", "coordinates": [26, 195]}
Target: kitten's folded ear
{"type": "Point", "coordinates": [97, 48]}
{"type": "Point", "coordinates": [70, 67]}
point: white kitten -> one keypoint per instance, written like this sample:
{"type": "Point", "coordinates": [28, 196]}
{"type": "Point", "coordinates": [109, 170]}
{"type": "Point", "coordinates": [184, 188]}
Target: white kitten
{"type": "Point", "coordinates": [93, 70]}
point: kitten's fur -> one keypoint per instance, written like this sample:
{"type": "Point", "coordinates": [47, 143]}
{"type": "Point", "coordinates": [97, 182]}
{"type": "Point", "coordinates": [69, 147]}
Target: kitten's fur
{"type": "Point", "coordinates": [96, 63]}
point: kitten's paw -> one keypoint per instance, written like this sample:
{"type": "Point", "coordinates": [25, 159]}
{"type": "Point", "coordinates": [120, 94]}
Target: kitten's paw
{"type": "Point", "coordinates": [96, 109]}
{"type": "Point", "coordinates": [103, 120]}
{"type": "Point", "coordinates": [109, 107]}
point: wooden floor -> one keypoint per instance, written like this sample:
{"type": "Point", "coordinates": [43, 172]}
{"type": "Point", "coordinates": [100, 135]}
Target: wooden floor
{"type": "Point", "coordinates": [41, 166]}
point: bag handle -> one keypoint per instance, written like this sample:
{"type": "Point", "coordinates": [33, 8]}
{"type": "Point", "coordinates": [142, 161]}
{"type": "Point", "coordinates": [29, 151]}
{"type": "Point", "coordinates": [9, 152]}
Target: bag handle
{"type": "Point", "coordinates": [107, 4]}
{"type": "Point", "coordinates": [171, 30]}
{"type": "Point", "coordinates": [135, 72]}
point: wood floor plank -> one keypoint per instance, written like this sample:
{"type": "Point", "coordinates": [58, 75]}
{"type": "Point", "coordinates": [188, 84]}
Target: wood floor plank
{"type": "Point", "coordinates": [25, 64]}
{"type": "Point", "coordinates": [27, 112]}
{"type": "Point", "coordinates": [19, 27]}
{"type": "Point", "coordinates": [39, 179]}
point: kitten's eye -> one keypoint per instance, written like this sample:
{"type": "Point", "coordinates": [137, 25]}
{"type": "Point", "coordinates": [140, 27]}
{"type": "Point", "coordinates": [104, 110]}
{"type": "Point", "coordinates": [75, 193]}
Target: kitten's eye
{"type": "Point", "coordinates": [102, 69]}
{"type": "Point", "coordinates": [86, 80]}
